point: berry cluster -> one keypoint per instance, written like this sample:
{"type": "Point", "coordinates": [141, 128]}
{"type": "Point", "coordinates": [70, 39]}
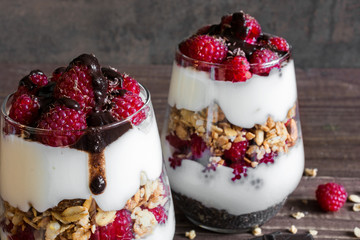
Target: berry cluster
{"type": "Point", "coordinates": [65, 102]}
{"type": "Point", "coordinates": [238, 44]}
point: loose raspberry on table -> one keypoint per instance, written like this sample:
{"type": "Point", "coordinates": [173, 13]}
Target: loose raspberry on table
{"type": "Point", "coordinates": [237, 151]}
{"type": "Point", "coordinates": [279, 43]}
{"type": "Point", "coordinates": [25, 109]}
{"type": "Point", "coordinates": [259, 60]}
{"type": "Point", "coordinates": [331, 196]}
{"type": "Point", "coordinates": [119, 229]}
{"type": "Point", "coordinates": [237, 69]}
{"type": "Point", "coordinates": [126, 105]}
{"type": "Point", "coordinates": [65, 124]}
{"type": "Point", "coordinates": [204, 48]}
{"type": "Point", "coordinates": [197, 145]}
{"type": "Point", "coordinates": [76, 83]}
{"type": "Point", "coordinates": [160, 214]}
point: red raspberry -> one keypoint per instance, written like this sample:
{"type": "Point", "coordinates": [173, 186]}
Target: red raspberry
{"type": "Point", "coordinates": [64, 122]}
{"type": "Point", "coordinates": [25, 109]}
{"type": "Point", "coordinates": [160, 214]}
{"type": "Point", "coordinates": [131, 84]}
{"type": "Point", "coordinates": [119, 229]}
{"type": "Point", "coordinates": [240, 170]}
{"type": "Point", "coordinates": [198, 146]}
{"type": "Point", "coordinates": [177, 143]}
{"type": "Point", "coordinates": [245, 27]}
{"type": "Point", "coordinates": [204, 48]}
{"type": "Point", "coordinates": [253, 29]}
{"type": "Point", "coordinates": [57, 73]}
{"type": "Point", "coordinates": [237, 69]}
{"type": "Point", "coordinates": [77, 84]}
{"type": "Point", "coordinates": [126, 105]}
{"type": "Point", "coordinates": [268, 158]}
{"type": "Point", "coordinates": [331, 196]}
{"type": "Point", "coordinates": [20, 234]}
{"type": "Point", "coordinates": [237, 151]}
{"type": "Point", "coordinates": [259, 60]}
{"type": "Point", "coordinates": [279, 43]}
{"type": "Point", "coordinates": [176, 159]}
{"type": "Point", "coordinates": [38, 78]}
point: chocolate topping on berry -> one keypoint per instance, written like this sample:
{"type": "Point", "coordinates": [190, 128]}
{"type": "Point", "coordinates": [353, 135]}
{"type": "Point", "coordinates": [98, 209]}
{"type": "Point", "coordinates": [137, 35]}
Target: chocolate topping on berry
{"type": "Point", "coordinates": [77, 106]}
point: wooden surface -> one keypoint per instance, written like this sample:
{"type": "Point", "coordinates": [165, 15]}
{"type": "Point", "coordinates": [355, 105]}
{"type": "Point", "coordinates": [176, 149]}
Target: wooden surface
{"type": "Point", "coordinates": [329, 101]}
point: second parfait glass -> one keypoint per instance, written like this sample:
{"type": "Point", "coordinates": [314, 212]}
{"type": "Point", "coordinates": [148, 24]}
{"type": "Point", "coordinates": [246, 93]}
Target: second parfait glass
{"type": "Point", "coordinates": [233, 150]}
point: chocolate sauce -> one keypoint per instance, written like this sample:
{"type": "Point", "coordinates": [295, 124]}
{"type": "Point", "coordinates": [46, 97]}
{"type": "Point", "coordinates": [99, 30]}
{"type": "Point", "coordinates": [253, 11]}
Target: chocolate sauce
{"type": "Point", "coordinates": [97, 176]}
{"type": "Point", "coordinates": [26, 82]}
{"type": "Point", "coordinates": [113, 76]}
{"type": "Point", "coordinates": [70, 103]}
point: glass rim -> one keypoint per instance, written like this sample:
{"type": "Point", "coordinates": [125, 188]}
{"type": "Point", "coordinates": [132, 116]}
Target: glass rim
{"type": "Point", "coordinates": [7, 118]}
{"type": "Point", "coordinates": [287, 55]}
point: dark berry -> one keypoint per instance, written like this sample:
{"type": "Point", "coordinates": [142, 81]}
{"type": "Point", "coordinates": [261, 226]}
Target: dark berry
{"type": "Point", "coordinates": [177, 143]}
{"type": "Point", "coordinates": [198, 145]}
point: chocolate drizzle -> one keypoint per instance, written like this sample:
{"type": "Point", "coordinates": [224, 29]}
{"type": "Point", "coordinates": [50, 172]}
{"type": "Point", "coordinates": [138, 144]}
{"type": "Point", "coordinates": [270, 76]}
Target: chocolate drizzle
{"type": "Point", "coordinates": [97, 136]}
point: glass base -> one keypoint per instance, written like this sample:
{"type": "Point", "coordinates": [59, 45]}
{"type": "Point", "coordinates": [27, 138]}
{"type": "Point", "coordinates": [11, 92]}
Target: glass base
{"type": "Point", "coordinates": [220, 220]}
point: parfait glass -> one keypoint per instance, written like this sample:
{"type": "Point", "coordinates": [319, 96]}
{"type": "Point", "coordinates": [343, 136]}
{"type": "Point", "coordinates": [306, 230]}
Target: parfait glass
{"type": "Point", "coordinates": [233, 150]}
{"type": "Point", "coordinates": [109, 183]}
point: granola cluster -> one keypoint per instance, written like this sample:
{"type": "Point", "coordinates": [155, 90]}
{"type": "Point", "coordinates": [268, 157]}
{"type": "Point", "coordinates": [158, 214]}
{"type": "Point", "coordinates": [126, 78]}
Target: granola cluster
{"type": "Point", "coordinates": [78, 219]}
{"type": "Point", "coordinates": [220, 135]}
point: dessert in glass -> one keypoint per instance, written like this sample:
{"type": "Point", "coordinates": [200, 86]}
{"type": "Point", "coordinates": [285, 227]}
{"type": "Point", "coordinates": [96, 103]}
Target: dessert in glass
{"type": "Point", "coordinates": [81, 158]}
{"type": "Point", "coordinates": [232, 142]}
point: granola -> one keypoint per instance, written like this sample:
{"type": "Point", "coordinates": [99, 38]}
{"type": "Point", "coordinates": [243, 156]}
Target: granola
{"type": "Point", "coordinates": [265, 141]}
{"type": "Point", "coordinates": [77, 219]}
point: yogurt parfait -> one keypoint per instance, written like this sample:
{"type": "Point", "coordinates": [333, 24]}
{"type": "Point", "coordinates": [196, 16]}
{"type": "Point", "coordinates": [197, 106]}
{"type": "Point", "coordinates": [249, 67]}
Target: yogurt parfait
{"type": "Point", "coordinates": [232, 141]}
{"type": "Point", "coordinates": [81, 158]}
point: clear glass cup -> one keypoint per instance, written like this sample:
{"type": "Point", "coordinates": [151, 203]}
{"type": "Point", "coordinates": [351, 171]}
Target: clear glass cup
{"type": "Point", "coordinates": [111, 180]}
{"type": "Point", "coordinates": [233, 150]}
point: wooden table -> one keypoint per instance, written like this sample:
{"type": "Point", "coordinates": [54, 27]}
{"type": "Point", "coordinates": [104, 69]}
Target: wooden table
{"type": "Point", "coordinates": [329, 101]}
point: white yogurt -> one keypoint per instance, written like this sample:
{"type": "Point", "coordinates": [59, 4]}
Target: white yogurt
{"type": "Point", "coordinates": [33, 174]}
{"type": "Point", "coordinates": [216, 189]}
{"type": "Point", "coordinates": [258, 97]}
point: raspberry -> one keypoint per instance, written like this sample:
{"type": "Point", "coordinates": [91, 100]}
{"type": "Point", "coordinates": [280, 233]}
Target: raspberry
{"type": "Point", "coordinates": [57, 73]}
{"type": "Point", "coordinates": [64, 122]}
{"type": "Point", "coordinates": [204, 48]}
{"type": "Point", "coordinates": [331, 196]}
{"type": "Point", "coordinates": [77, 84]}
{"type": "Point", "coordinates": [176, 160]}
{"type": "Point", "coordinates": [25, 109]}
{"type": "Point", "coordinates": [160, 214]}
{"type": "Point", "coordinates": [126, 105]}
{"type": "Point", "coordinates": [237, 69]}
{"type": "Point", "coordinates": [177, 143]}
{"type": "Point", "coordinates": [259, 60]}
{"type": "Point", "coordinates": [279, 43]}
{"type": "Point", "coordinates": [38, 78]}
{"type": "Point", "coordinates": [268, 158]}
{"type": "Point", "coordinates": [119, 229]}
{"type": "Point", "coordinates": [198, 146]}
{"type": "Point", "coordinates": [245, 27]}
{"type": "Point", "coordinates": [240, 169]}
{"type": "Point", "coordinates": [131, 84]}
{"type": "Point", "coordinates": [237, 151]}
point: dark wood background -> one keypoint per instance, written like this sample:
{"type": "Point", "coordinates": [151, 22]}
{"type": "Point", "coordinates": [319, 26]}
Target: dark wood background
{"type": "Point", "coordinates": [329, 100]}
{"type": "Point", "coordinates": [324, 33]}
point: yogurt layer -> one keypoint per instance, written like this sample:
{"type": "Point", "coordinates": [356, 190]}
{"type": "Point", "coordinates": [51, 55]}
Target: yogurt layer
{"type": "Point", "coordinates": [265, 185]}
{"type": "Point", "coordinates": [33, 174]}
{"type": "Point", "coordinates": [258, 97]}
